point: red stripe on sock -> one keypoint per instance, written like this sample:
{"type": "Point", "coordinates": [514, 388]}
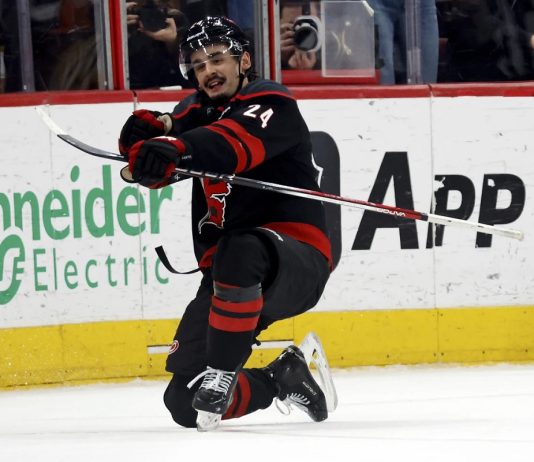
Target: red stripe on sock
{"type": "Point", "coordinates": [229, 414]}
{"type": "Point", "coordinates": [244, 385]}
{"type": "Point", "coordinates": [228, 324]}
{"type": "Point", "coordinates": [238, 307]}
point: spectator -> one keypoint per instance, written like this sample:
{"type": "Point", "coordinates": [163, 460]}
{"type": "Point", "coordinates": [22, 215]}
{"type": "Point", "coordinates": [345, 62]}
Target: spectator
{"type": "Point", "coordinates": [390, 21]}
{"type": "Point", "coordinates": [153, 47]}
{"type": "Point", "coordinates": [242, 13]}
{"type": "Point", "coordinates": [195, 10]}
{"type": "Point", "coordinates": [44, 19]}
{"type": "Point", "coordinates": [60, 47]}
{"type": "Point", "coordinates": [291, 56]}
{"type": "Point", "coordinates": [74, 66]}
{"type": "Point", "coordinates": [486, 41]}
{"type": "Point", "coordinates": [10, 43]}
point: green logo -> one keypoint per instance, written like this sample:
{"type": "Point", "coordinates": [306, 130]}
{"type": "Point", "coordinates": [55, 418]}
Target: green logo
{"type": "Point", "coordinates": [80, 214]}
{"type": "Point", "coordinates": [11, 243]}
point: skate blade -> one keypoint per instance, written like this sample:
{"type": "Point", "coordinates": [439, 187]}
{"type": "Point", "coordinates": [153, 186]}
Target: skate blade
{"type": "Point", "coordinates": [314, 354]}
{"type": "Point", "coordinates": [207, 421]}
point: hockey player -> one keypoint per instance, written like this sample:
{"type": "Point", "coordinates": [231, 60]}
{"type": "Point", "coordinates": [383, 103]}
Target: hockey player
{"type": "Point", "coordinates": [264, 256]}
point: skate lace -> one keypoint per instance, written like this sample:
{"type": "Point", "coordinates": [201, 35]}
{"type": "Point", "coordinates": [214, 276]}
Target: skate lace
{"type": "Point", "coordinates": [297, 399]}
{"type": "Point", "coordinates": [214, 379]}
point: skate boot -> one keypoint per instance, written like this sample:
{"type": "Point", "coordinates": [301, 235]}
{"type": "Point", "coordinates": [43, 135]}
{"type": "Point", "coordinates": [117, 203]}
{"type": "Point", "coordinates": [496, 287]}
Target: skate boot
{"type": "Point", "coordinates": [296, 385]}
{"type": "Point", "coordinates": [213, 397]}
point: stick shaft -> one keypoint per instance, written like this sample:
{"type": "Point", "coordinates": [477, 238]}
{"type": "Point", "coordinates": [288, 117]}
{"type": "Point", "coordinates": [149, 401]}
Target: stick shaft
{"type": "Point", "coordinates": [345, 201]}
{"type": "Point", "coordinates": [291, 190]}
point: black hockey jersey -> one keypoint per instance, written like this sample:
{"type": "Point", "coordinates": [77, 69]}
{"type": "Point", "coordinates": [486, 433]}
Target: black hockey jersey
{"type": "Point", "coordinates": [258, 134]}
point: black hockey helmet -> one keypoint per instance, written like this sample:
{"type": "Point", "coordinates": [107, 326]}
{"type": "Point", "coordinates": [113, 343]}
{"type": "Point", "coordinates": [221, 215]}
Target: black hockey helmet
{"type": "Point", "coordinates": [211, 30]}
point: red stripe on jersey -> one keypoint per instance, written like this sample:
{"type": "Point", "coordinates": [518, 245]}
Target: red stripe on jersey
{"type": "Point", "coordinates": [228, 324]}
{"type": "Point", "coordinates": [251, 306]}
{"type": "Point", "coordinates": [263, 93]}
{"type": "Point", "coordinates": [306, 233]}
{"type": "Point", "coordinates": [244, 385]}
{"type": "Point", "coordinates": [253, 143]}
{"type": "Point", "coordinates": [207, 257]}
{"type": "Point", "coordinates": [238, 148]}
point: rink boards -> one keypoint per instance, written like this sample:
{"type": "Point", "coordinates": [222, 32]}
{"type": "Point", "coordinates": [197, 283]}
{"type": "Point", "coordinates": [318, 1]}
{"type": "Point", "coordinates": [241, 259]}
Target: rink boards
{"type": "Point", "coordinates": [83, 296]}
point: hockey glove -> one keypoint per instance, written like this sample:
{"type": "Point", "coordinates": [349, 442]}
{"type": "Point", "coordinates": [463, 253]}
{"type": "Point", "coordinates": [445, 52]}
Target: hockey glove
{"type": "Point", "coordinates": [143, 125]}
{"type": "Point", "coordinates": [152, 162]}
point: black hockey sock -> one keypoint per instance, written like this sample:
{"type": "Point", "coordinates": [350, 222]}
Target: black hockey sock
{"type": "Point", "coordinates": [233, 318]}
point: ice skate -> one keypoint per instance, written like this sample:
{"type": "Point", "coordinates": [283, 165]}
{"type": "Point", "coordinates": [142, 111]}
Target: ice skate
{"type": "Point", "coordinates": [315, 355]}
{"type": "Point", "coordinates": [213, 397]}
{"type": "Point", "coordinates": [207, 421]}
{"type": "Point", "coordinates": [296, 385]}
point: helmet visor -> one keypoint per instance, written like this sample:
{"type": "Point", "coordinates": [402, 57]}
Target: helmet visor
{"type": "Point", "coordinates": [190, 61]}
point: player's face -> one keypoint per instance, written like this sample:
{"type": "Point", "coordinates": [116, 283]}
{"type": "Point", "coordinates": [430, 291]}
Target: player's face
{"type": "Point", "coordinates": [217, 70]}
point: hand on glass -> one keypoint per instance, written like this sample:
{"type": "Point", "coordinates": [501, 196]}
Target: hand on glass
{"type": "Point", "coordinates": [302, 60]}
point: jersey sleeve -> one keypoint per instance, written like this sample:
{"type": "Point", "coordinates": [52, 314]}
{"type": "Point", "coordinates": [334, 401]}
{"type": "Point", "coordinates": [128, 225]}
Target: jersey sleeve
{"type": "Point", "coordinates": [262, 124]}
{"type": "Point", "coordinates": [188, 114]}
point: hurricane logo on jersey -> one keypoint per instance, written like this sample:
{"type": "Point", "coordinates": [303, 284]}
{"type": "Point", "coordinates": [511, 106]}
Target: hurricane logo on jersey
{"type": "Point", "coordinates": [216, 193]}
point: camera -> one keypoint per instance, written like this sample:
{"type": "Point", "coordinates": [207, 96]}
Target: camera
{"type": "Point", "coordinates": [308, 33]}
{"type": "Point", "coordinates": [152, 16]}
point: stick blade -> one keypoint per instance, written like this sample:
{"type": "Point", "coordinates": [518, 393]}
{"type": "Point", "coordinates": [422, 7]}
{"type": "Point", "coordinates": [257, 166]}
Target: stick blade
{"type": "Point", "coordinates": [52, 126]}
{"type": "Point", "coordinates": [63, 135]}
{"type": "Point", "coordinates": [97, 152]}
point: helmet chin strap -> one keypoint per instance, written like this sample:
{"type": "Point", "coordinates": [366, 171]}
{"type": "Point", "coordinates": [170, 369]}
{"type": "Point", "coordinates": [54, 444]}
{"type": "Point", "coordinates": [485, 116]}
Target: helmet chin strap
{"type": "Point", "coordinates": [242, 77]}
{"type": "Point", "coordinates": [240, 85]}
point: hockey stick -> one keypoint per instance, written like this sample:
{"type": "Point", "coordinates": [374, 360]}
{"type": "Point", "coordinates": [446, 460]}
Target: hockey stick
{"type": "Point", "coordinates": [291, 190]}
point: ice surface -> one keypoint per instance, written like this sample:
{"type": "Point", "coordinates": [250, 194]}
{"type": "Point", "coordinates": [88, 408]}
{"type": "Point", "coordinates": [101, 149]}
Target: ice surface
{"type": "Point", "coordinates": [421, 413]}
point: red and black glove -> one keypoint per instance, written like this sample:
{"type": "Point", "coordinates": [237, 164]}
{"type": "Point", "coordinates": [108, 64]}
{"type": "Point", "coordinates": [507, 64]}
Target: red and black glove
{"type": "Point", "coordinates": [141, 125]}
{"type": "Point", "coordinates": [152, 162]}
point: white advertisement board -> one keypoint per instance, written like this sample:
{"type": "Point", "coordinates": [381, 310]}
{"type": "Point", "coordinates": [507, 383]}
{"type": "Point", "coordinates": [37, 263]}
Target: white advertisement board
{"type": "Point", "coordinates": [77, 243]}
